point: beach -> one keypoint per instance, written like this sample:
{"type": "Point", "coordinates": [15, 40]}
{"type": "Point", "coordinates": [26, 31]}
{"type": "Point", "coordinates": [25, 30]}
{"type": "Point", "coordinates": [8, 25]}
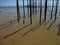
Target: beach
{"type": "Point", "coordinates": [28, 34]}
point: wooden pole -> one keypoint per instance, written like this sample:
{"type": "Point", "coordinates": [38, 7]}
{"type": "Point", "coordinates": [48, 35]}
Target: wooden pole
{"type": "Point", "coordinates": [27, 7]}
{"type": "Point", "coordinates": [18, 12]}
{"type": "Point", "coordinates": [36, 6]}
{"type": "Point", "coordinates": [40, 10]}
{"type": "Point", "coordinates": [33, 7]}
{"type": "Point", "coordinates": [56, 9]}
{"type": "Point", "coordinates": [23, 12]}
{"type": "Point", "coordinates": [52, 8]}
{"type": "Point", "coordinates": [45, 10]}
{"type": "Point", "coordinates": [30, 13]}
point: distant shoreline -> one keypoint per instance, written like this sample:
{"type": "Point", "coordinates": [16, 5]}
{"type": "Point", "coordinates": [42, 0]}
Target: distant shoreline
{"type": "Point", "coordinates": [24, 6]}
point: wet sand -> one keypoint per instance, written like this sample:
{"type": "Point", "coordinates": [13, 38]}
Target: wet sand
{"type": "Point", "coordinates": [6, 17]}
{"type": "Point", "coordinates": [31, 34]}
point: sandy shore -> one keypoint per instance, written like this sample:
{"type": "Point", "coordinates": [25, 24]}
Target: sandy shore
{"type": "Point", "coordinates": [4, 18]}
{"type": "Point", "coordinates": [41, 36]}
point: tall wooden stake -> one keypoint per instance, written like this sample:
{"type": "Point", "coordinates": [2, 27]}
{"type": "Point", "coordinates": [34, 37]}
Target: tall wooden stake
{"type": "Point", "coordinates": [52, 8]}
{"type": "Point", "coordinates": [40, 10]}
{"type": "Point", "coordinates": [30, 13]}
{"type": "Point", "coordinates": [33, 7]}
{"type": "Point", "coordinates": [45, 10]}
{"type": "Point", "coordinates": [27, 7]}
{"type": "Point", "coordinates": [23, 12]}
{"type": "Point", "coordinates": [18, 12]}
{"type": "Point", "coordinates": [56, 9]}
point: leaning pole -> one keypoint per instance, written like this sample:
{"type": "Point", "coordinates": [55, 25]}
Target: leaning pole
{"type": "Point", "coordinates": [18, 12]}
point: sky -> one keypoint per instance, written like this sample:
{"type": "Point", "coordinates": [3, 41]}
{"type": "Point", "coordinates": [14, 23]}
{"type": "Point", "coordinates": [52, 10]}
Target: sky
{"type": "Point", "coordinates": [13, 2]}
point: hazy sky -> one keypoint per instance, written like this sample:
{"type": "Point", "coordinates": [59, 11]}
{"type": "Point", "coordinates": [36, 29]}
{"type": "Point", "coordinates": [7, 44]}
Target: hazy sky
{"type": "Point", "coordinates": [13, 2]}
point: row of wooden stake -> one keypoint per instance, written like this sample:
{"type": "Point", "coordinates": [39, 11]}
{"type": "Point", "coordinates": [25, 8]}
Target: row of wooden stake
{"type": "Point", "coordinates": [30, 11]}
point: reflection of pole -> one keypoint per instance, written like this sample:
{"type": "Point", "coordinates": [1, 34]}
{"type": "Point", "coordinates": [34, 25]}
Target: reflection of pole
{"type": "Point", "coordinates": [18, 12]}
{"type": "Point", "coordinates": [40, 10]}
{"type": "Point", "coordinates": [45, 10]}
{"type": "Point", "coordinates": [52, 8]}
{"type": "Point", "coordinates": [30, 13]}
{"type": "Point", "coordinates": [23, 12]}
{"type": "Point", "coordinates": [56, 9]}
{"type": "Point", "coordinates": [27, 8]}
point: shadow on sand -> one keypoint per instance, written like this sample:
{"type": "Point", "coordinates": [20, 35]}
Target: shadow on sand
{"type": "Point", "coordinates": [32, 29]}
{"type": "Point", "coordinates": [48, 21]}
{"type": "Point", "coordinates": [50, 25]}
{"type": "Point", "coordinates": [8, 24]}
{"type": "Point", "coordinates": [15, 31]}
{"type": "Point", "coordinates": [58, 29]}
